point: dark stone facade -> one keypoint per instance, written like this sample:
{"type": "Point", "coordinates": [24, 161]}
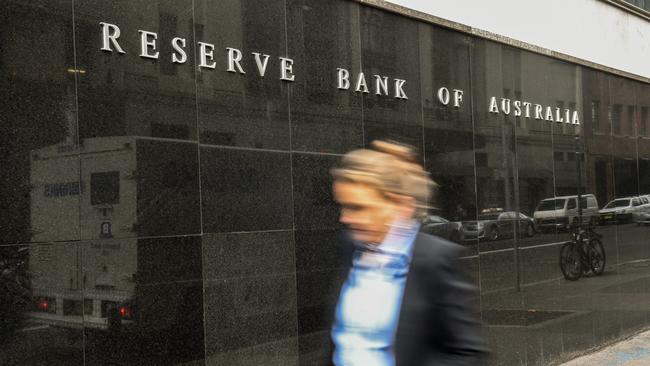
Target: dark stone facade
{"type": "Point", "coordinates": [161, 213]}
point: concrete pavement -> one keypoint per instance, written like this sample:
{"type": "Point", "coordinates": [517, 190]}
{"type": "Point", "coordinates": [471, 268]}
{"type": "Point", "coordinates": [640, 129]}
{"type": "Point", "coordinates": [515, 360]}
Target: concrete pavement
{"type": "Point", "coordinates": [634, 351]}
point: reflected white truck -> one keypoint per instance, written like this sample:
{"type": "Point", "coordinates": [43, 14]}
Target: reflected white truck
{"type": "Point", "coordinates": [562, 212]}
{"type": "Point", "coordinates": [99, 293]}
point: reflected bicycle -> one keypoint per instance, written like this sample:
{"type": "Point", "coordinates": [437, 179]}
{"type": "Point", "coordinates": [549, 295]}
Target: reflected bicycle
{"type": "Point", "coordinates": [583, 254]}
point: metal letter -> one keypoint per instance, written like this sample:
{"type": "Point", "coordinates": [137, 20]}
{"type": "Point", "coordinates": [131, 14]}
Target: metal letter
{"type": "Point", "coordinates": [361, 82]}
{"type": "Point", "coordinates": [575, 120]}
{"type": "Point", "coordinates": [381, 85]}
{"type": "Point", "coordinates": [458, 97]}
{"type": "Point", "coordinates": [443, 95]}
{"type": "Point", "coordinates": [538, 111]}
{"type": "Point", "coordinates": [261, 65]}
{"type": "Point", "coordinates": [494, 107]}
{"type": "Point", "coordinates": [206, 52]}
{"type": "Point", "coordinates": [505, 106]}
{"type": "Point", "coordinates": [234, 56]}
{"type": "Point", "coordinates": [344, 79]}
{"type": "Point", "coordinates": [110, 34]}
{"type": "Point", "coordinates": [178, 44]}
{"type": "Point", "coordinates": [549, 114]}
{"type": "Point", "coordinates": [146, 43]}
{"type": "Point", "coordinates": [286, 69]}
{"type": "Point", "coordinates": [399, 92]}
{"type": "Point", "coordinates": [558, 117]}
{"type": "Point", "coordinates": [517, 104]}
{"type": "Point", "coordinates": [527, 106]}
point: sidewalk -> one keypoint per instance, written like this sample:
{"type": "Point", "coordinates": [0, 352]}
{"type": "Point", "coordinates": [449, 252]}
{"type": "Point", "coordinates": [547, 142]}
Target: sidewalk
{"type": "Point", "coordinates": [634, 351]}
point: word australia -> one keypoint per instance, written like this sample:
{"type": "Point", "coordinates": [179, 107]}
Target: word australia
{"type": "Point", "coordinates": [520, 108]}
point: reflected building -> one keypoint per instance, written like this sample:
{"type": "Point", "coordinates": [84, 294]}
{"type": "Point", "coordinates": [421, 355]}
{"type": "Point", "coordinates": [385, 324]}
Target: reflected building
{"type": "Point", "coordinates": [155, 211]}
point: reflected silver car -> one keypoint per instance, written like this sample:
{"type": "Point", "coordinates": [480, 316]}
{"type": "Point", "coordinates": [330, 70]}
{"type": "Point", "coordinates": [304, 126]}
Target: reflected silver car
{"type": "Point", "coordinates": [439, 226]}
{"type": "Point", "coordinates": [499, 225]}
{"type": "Point", "coordinates": [643, 218]}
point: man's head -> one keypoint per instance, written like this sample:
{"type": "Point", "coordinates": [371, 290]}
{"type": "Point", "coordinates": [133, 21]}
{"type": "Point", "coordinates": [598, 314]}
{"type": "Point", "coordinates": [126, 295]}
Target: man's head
{"type": "Point", "coordinates": [379, 186]}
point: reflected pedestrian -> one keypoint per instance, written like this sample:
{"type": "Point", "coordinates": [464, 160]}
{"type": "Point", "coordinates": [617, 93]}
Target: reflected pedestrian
{"type": "Point", "coordinates": [404, 301]}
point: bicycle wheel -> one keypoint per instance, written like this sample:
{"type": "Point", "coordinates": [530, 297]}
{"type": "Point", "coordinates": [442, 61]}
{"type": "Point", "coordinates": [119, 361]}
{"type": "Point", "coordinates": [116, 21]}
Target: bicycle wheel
{"type": "Point", "coordinates": [570, 263]}
{"type": "Point", "coordinates": [597, 257]}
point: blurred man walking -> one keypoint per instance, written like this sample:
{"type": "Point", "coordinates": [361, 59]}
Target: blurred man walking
{"type": "Point", "coordinates": [404, 301]}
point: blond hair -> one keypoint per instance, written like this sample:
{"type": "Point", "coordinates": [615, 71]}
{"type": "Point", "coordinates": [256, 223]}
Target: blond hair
{"type": "Point", "coordinates": [391, 168]}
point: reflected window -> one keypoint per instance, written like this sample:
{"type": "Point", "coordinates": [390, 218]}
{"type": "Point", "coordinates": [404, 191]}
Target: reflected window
{"type": "Point", "coordinates": [168, 25]}
{"type": "Point", "coordinates": [551, 204]}
{"type": "Point", "coordinates": [629, 128]}
{"type": "Point", "coordinates": [199, 32]}
{"type": "Point", "coordinates": [571, 204]}
{"type": "Point", "coordinates": [481, 159]}
{"type": "Point", "coordinates": [615, 117]}
{"type": "Point", "coordinates": [571, 157]}
{"type": "Point", "coordinates": [595, 115]}
{"type": "Point", "coordinates": [105, 188]}
{"type": "Point", "coordinates": [623, 202]}
{"type": "Point", "coordinates": [643, 4]}
{"type": "Point", "coordinates": [643, 124]}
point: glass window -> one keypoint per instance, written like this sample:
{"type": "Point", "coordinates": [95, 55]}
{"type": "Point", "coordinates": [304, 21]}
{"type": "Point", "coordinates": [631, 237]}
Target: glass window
{"type": "Point", "coordinates": [105, 188]}
{"type": "Point", "coordinates": [643, 4]}
{"type": "Point", "coordinates": [643, 124]}
{"type": "Point", "coordinates": [591, 201]}
{"type": "Point", "coordinates": [618, 203]}
{"type": "Point", "coordinates": [572, 204]}
{"type": "Point", "coordinates": [629, 128]}
{"type": "Point", "coordinates": [595, 115]}
{"type": "Point", "coordinates": [548, 205]}
{"type": "Point", "coordinates": [615, 116]}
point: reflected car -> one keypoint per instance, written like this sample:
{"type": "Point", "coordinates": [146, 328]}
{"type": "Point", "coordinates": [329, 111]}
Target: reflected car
{"type": "Point", "coordinates": [622, 210]}
{"type": "Point", "coordinates": [499, 225]}
{"type": "Point", "coordinates": [439, 226]}
{"type": "Point", "coordinates": [643, 218]}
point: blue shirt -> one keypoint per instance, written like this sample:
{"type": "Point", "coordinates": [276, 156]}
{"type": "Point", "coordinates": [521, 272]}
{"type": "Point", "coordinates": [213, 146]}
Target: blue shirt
{"type": "Point", "coordinates": [371, 297]}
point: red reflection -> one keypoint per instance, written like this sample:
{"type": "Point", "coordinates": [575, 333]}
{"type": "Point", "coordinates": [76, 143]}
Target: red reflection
{"type": "Point", "coordinates": [125, 312]}
{"type": "Point", "coordinates": [43, 305]}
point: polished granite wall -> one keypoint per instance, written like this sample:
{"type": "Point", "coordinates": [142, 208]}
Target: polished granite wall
{"type": "Point", "coordinates": [162, 213]}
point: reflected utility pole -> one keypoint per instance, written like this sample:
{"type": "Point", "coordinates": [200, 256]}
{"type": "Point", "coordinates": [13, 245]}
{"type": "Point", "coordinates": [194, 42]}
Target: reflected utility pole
{"type": "Point", "coordinates": [578, 159]}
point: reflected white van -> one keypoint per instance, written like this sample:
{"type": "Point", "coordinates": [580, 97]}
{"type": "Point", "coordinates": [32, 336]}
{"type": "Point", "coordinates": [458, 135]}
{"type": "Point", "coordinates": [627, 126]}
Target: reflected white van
{"type": "Point", "coordinates": [562, 212]}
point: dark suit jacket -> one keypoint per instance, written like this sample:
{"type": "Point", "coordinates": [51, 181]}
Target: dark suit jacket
{"type": "Point", "coordinates": [437, 323]}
